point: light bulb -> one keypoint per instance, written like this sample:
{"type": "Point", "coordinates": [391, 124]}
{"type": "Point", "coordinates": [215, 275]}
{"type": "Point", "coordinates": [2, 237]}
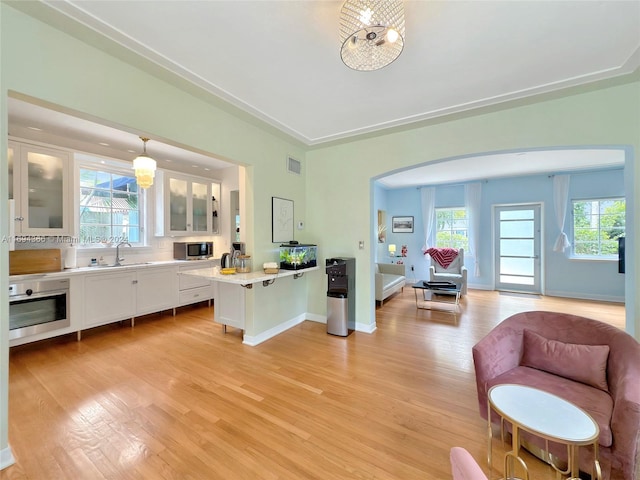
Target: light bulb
{"type": "Point", "coordinates": [392, 35]}
{"type": "Point", "coordinates": [365, 16]}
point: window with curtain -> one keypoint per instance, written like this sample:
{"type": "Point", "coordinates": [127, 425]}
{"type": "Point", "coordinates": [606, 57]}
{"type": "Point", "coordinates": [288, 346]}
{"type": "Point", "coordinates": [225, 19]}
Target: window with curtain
{"type": "Point", "coordinates": [110, 207]}
{"type": "Point", "coordinates": [597, 225]}
{"type": "Point", "coordinates": [452, 228]}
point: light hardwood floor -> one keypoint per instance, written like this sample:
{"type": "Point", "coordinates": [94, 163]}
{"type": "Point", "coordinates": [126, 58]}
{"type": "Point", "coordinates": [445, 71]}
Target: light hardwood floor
{"type": "Point", "coordinates": [175, 398]}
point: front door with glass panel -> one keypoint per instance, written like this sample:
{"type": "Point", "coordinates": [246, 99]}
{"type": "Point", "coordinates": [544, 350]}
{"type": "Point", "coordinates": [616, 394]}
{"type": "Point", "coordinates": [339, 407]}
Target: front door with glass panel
{"type": "Point", "coordinates": [517, 261]}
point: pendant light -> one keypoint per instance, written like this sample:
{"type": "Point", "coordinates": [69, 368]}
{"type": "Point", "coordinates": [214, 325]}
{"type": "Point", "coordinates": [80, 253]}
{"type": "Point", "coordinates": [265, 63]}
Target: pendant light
{"type": "Point", "coordinates": [144, 166]}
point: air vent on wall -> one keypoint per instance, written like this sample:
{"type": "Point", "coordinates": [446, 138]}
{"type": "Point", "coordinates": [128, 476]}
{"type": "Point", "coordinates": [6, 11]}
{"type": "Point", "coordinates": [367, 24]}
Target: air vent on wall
{"type": "Point", "coordinates": [294, 166]}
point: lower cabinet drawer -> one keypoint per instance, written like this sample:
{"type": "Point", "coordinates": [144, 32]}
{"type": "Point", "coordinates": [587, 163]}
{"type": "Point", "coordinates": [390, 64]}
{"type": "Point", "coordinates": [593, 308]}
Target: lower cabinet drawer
{"type": "Point", "coordinates": [187, 282]}
{"type": "Point", "coordinates": [194, 295]}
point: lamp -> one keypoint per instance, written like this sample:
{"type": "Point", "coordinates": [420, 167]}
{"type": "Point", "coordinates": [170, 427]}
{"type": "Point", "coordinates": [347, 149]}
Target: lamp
{"type": "Point", "coordinates": [144, 166]}
{"type": "Point", "coordinates": [371, 32]}
{"type": "Point", "coordinates": [392, 250]}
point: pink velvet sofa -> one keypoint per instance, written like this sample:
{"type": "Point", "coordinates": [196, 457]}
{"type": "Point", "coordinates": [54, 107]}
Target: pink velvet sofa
{"type": "Point", "coordinates": [587, 362]}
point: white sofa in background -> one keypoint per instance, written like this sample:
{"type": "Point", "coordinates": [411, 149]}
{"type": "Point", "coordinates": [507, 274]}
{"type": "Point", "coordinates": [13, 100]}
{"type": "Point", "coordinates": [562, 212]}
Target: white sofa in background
{"type": "Point", "coordinates": [390, 278]}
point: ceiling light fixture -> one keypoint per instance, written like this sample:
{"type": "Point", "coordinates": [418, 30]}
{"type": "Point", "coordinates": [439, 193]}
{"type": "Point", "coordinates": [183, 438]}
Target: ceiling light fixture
{"type": "Point", "coordinates": [371, 32]}
{"type": "Point", "coordinates": [144, 166]}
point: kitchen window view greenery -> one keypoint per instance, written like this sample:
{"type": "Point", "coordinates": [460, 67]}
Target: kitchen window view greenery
{"type": "Point", "coordinates": [452, 228]}
{"type": "Point", "coordinates": [597, 225]}
{"type": "Point", "coordinates": [110, 208]}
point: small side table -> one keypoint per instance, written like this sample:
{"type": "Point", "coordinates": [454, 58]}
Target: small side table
{"type": "Point", "coordinates": [547, 416]}
{"type": "Point", "coordinates": [428, 290]}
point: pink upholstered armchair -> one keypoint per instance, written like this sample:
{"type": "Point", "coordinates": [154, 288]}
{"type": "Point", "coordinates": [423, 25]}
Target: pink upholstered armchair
{"type": "Point", "coordinates": [589, 363]}
{"type": "Point", "coordinates": [463, 465]}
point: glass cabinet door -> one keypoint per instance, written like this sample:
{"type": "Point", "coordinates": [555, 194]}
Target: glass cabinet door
{"type": "Point", "coordinates": [44, 193]}
{"type": "Point", "coordinates": [177, 205]}
{"type": "Point", "coordinates": [10, 154]}
{"type": "Point", "coordinates": [185, 208]}
{"type": "Point", "coordinates": [199, 198]}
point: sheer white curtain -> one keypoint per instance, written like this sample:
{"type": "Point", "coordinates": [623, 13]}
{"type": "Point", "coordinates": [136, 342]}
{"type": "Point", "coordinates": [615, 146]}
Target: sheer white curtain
{"type": "Point", "coordinates": [428, 202]}
{"type": "Point", "coordinates": [560, 202]}
{"type": "Point", "coordinates": [473, 193]}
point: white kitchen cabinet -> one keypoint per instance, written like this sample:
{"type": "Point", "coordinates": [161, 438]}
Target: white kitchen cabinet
{"type": "Point", "coordinates": [231, 311]}
{"type": "Point", "coordinates": [119, 295]}
{"type": "Point", "coordinates": [183, 205]}
{"type": "Point", "coordinates": [109, 297]}
{"type": "Point", "coordinates": [191, 288]}
{"type": "Point", "coordinates": [156, 289]}
{"type": "Point", "coordinates": [40, 185]}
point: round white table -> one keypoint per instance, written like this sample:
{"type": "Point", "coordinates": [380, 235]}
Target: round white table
{"type": "Point", "coordinates": [547, 416]}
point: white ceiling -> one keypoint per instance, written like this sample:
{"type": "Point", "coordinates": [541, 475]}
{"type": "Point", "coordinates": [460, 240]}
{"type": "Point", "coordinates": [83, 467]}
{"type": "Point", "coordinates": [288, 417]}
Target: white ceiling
{"type": "Point", "coordinates": [34, 122]}
{"type": "Point", "coordinates": [505, 165]}
{"type": "Point", "coordinates": [280, 61]}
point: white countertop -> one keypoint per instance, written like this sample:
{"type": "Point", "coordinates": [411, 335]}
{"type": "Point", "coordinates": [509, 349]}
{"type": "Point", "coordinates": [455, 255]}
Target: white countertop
{"type": "Point", "coordinates": [246, 278]}
{"type": "Point", "coordinates": [102, 269]}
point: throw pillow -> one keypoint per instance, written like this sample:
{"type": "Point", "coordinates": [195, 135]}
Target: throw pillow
{"type": "Point", "coordinates": [583, 363]}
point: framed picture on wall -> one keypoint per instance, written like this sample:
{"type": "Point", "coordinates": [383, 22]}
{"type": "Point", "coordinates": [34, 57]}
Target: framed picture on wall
{"type": "Point", "coordinates": [281, 220]}
{"type": "Point", "coordinates": [402, 224]}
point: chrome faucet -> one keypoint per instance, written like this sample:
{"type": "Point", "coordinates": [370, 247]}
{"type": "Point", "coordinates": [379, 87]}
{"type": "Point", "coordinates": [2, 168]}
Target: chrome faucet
{"type": "Point", "coordinates": [118, 259]}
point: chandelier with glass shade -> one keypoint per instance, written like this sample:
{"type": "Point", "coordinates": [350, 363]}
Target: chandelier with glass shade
{"type": "Point", "coordinates": [144, 167]}
{"type": "Point", "coordinates": [371, 32]}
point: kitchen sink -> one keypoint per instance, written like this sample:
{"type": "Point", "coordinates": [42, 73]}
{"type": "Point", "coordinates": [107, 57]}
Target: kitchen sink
{"type": "Point", "coordinates": [132, 264]}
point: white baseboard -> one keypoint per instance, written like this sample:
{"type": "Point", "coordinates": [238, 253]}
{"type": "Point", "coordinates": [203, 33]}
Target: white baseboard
{"type": "Point", "coordinates": [366, 327]}
{"type": "Point", "coordinates": [252, 341]}
{"type": "Point", "coordinates": [599, 298]}
{"type": "Point", "coordinates": [316, 318]}
{"type": "Point", "coordinates": [6, 458]}
{"type": "Point", "coordinates": [272, 332]}
{"type": "Point", "coordinates": [360, 327]}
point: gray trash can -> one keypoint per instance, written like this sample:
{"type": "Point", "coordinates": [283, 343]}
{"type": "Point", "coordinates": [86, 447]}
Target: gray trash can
{"type": "Point", "coordinates": [337, 314]}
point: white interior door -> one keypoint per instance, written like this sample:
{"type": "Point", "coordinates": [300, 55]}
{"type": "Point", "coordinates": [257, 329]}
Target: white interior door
{"type": "Point", "coordinates": [517, 257]}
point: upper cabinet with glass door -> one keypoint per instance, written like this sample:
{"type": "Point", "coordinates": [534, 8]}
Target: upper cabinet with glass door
{"type": "Point", "coordinates": [39, 184]}
{"type": "Point", "coordinates": [183, 205]}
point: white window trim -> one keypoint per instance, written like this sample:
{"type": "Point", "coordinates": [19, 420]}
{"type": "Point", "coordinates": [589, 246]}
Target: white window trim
{"type": "Point", "coordinates": [94, 162]}
{"type": "Point", "coordinates": [439, 209]}
{"type": "Point", "coordinates": [590, 258]}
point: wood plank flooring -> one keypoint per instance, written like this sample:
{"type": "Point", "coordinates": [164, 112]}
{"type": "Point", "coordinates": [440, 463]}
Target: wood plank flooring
{"type": "Point", "coordinates": [175, 398]}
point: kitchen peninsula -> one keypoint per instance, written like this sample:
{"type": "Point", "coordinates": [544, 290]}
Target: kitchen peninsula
{"type": "Point", "coordinates": [230, 291]}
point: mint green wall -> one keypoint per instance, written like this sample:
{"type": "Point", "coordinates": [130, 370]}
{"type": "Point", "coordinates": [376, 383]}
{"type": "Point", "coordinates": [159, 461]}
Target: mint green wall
{"type": "Point", "coordinates": [66, 72]}
{"type": "Point", "coordinates": [339, 198]}
{"type": "Point", "coordinates": [4, 265]}
{"type": "Point", "coordinates": [47, 64]}
{"type": "Point", "coordinates": [334, 197]}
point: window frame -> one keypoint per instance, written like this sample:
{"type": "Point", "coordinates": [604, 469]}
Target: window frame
{"type": "Point", "coordinates": [600, 256]}
{"type": "Point", "coordinates": [437, 230]}
{"type": "Point", "coordinates": [112, 166]}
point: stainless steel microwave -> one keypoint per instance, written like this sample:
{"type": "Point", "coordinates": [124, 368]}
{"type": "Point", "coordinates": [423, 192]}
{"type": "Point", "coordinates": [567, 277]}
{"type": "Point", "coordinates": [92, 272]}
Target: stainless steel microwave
{"type": "Point", "coordinates": [192, 250]}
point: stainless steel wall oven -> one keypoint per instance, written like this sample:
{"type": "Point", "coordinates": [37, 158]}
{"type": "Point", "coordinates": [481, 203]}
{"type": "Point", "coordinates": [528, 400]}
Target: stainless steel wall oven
{"type": "Point", "coordinates": [38, 306]}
